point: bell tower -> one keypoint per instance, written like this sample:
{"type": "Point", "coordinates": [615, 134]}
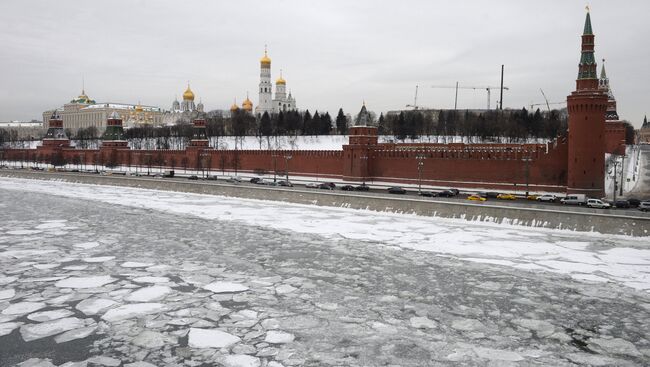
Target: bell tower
{"type": "Point", "coordinates": [587, 106]}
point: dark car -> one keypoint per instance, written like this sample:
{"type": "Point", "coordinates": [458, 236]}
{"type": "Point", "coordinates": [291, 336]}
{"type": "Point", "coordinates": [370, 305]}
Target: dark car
{"type": "Point", "coordinates": [325, 186]}
{"type": "Point", "coordinates": [446, 194]}
{"type": "Point", "coordinates": [482, 194]}
{"type": "Point", "coordinates": [330, 184]}
{"type": "Point", "coordinates": [492, 195]}
{"type": "Point", "coordinates": [362, 187]}
{"type": "Point", "coordinates": [193, 177]}
{"type": "Point", "coordinates": [428, 194]}
{"type": "Point", "coordinates": [396, 190]}
{"type": "Point", "coordinates": [622, 204]}
{"type": "Point", "coordinates": [285, 183]}
{"type": "Point", "coordinates": [455, 191]}
{"type": "Point", "coordinates": [347, 188]}
{"type": "Point", "coordinates": [255, 180]}
{"type": "Point", "coordinates": [634, 203]}
{"type": "Point", "coordinates": [211, 178]}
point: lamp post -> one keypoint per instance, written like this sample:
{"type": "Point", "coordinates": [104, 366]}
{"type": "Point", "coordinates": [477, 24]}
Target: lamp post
{"type": "Point", "coordinates": [286, 161]}
{"type": "Point", "coordinates": [616, 163]}
{"type": "Point", "coordinates": [527, 160]}
{"type": "Point", "coordinates": [620, 193]}
{"type": "Point", "coordinates": [275, 166]}
{"type": "Point", "coordinates": [420, 158]}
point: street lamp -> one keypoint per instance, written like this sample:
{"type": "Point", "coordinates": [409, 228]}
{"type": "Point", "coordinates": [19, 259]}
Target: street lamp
{"type": "Point", "coordinates": [286, 163]}
{"type": "Point", "coordinates": [622, 170]}
{"type": "Point", "coordinates": [616, 163]}
{"type": "Point", "coordinates": [420, 158]}
{"type": "Point", "coordinates": [527, 160]}
{"type": "Point", "coordinates": [275, 166]}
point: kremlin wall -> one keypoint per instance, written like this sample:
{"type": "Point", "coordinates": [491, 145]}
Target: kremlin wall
{"type": "Point", "coordinates": [572, 164]}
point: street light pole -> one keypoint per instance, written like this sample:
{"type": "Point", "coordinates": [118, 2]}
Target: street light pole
{"type": "Point", "coordinates": [620, 193]}
{"type": "Point", "coordinates": [420, 158]}
{"type": "Point", "coordinates": [275, 166]}
{"type": "Point", "coordinates": [615, 176]}
{"type": "Point", "coordinates": [527, 160]}
{"type": "Point", "coordinates": [286, 161]}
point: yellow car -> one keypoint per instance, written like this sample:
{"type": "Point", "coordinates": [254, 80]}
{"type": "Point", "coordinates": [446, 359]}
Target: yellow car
{"type": "Point", "coordinates": [476, 198]}
{"type": "Point", "coordinates": [532, 197]}
{"type": "Point", "coordinates": [506, 197]}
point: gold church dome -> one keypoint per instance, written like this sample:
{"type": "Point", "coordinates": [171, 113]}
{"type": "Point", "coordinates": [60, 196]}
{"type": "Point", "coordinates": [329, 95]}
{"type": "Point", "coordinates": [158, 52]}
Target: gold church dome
{"type": "Point", "coordinates": [281, 81]}
{"type": "Point", "coordinates": [188, 95]}
{"type": "Point", "coordinates": [138, 108]}
{"type": "Point", "coordinates": [234, 107]}
{"type": "Point", "coordinates": [247, 105]}
{"type": "Point", "coordinates": [265, 60]}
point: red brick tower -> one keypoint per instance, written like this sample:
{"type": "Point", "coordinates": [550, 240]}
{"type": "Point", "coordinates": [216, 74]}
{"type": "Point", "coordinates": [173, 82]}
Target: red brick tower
{"type": "Point", "coordinates": [587, 107]}
{"type": "Point", "coordinates": [55, 135]}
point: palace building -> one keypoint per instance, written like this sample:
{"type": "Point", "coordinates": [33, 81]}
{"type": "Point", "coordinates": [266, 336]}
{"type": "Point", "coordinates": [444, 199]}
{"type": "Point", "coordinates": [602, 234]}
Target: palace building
{"type": "Point", "coordinates": [83, 112]}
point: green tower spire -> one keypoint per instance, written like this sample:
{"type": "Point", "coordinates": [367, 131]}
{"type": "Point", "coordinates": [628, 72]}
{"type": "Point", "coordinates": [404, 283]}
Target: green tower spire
{"type": "Point", "coordinates": [588, 25]}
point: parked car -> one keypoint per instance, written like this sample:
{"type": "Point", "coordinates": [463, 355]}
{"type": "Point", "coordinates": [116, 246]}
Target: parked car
{"type": "Point", "coordinates": [330, 184]}
{"type": "Point", "coordinates": [311, 185]}
{"type": "Point", "coordinates": [396, 190]}
{"type": "Point", "coordinates": [446, 194]}
{"type": "Point", "coordinates": [506, 197]}
{"type": "Point", "coordinates": [532, 197]}
{"type": "Point", "coordinates": [428, 194]}
{"type": "Point", "coordinates": [211, 177]}
{"type": "Point", "coordinates": [169, 173]}
{"type": "Point", "coordinates": [285, 183]}
{"type": "Point", "coordinates": [492, 194]}
{"type": "Point", "coordinates": [325, 186]}
{"type": "Point", "coordinates": [547, 198]}
{"type": "Point", "coordinates": [644, 206]}
{"type": "Point", "coordinates": [476, 197]}
{"type": "Point", "coordinates": [622, 204]}
{"type": "Point", "coordinates": [574, 199]}
{"type": "Point", "coordinates": [482, 194]}
{"type": "Point", "coordinates": [455, 191]}
{"type": "Point", "coordinates": [193, 177]}
{"type": "Point", "coordinates": [234, 179]}
{"type": "Point", "coordinates": [347, 188]}
{"type": "Point", "coordinates": [634, 202]}
{"type": "Point", "coordinates": [597, 203]}
{"type": "Point", "coordinates": [362, 187]}
{"type": "Point", "coordinates": [255, 180]}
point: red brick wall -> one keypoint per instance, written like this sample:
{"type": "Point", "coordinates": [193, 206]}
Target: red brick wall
{"type": "Point", "coordinates": [614, 137]}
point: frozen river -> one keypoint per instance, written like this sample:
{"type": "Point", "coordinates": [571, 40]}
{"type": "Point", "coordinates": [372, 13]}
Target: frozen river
{"type": "Point", "coordinates": [115, 276]}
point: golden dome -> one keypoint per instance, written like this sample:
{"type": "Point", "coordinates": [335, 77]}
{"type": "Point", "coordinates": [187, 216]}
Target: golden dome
{"type": "Point", "coordinates": [247, 105]}
{"type": "Point", "coordinates": [234, 107]}
{"type": "Point", "coordinates": [188, 95]}
{"type": "Point", "coordinates": [265, 61]}
{"type": "Point", "coordinates": [281, 81]}
{"type": "Point", "coordinates": [138, 108]}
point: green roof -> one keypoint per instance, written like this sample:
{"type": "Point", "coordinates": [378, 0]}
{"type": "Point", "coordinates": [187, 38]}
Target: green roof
{"type": "Point", "coordinates": [588, 25]}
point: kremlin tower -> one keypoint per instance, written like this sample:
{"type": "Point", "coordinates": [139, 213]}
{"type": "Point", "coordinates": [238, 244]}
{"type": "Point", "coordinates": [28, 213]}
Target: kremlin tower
{"type": "Point", "coordinates": [587, 106]}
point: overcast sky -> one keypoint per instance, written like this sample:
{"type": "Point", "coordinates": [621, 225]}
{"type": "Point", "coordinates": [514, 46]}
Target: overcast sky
{"type": "Point", "coordinates": [333, 53]}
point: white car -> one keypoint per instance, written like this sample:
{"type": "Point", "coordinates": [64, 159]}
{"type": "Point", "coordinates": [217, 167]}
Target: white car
{"type": "Point", "coordinates": [548, 198]}
{"type": "Point", "coordinates": [311, 185]}
{"type": "Point", "coordinates": [596, 203]}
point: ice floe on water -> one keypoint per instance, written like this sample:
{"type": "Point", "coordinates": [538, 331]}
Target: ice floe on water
{"type": "Point", "coordinates": [151, 279]}
{"type": "Point", "coordinates": [86, 245]}
{"type": "Point", "coordinates": [49, 315]}
{"type": "Point", "coordinates": [132, 310]}
{"type": "Point", "coordinates": [31, 332]}
{"type": "Point", "coordinates": [22, 308]}
{"type": "Point", "coordinates": [148, 294]}
{"type": "Point", "coordinates": [94, 306]}
{"type": "Point", "coordinates": [278, 337]}
{"type": "Point", "coordinates": [7, 293]}
{"type": "Point", "coordinates": [8, 327]}
{"type": "Point", "coordinates": [225, 287]}
{"type": "Point", "coordinates": [211, 338]}
{"type": "Point", "coordinates": [134, 264]}
{"type": "Point", "coordinates": [99, 259]}
{"type": "Point", "coordinates": [85, 282]}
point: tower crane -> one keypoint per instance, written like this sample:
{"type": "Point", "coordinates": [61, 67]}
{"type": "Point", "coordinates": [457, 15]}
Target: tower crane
{"type": "Point", "coordinates": [548, 104]}
{"type": "Point", "coordinates": [486, 88]}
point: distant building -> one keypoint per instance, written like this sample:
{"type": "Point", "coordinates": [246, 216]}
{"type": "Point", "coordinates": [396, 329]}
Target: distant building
{"type": "Point", "coordinates": [185, 111]}
{"type": "Point", "coordinates": [282, 100]}
{"type": "Point", "coordinates": [83, 112]}
{"type": "Point", "coordinates": [25, 129]}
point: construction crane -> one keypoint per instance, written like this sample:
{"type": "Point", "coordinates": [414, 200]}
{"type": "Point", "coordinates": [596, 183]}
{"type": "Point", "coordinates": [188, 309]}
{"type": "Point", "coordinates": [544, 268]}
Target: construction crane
{"type": "Point", "coordinates": [415, 102]}
{"type": "Point", "coordinates": [487, 88]}
{"type": "Point", "coordinates": [548, 104]}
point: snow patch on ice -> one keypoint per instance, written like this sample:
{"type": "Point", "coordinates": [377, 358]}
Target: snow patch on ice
{"type": "Point", "coordinates": [85, 282]}
{"type": "Point", "coordinates": [148, 294]}
{"type": "Point", "coordinates": [211, 338]}
{"type": "Point", "coordinates": [225, 287]}
{"type": "Point", "coordinates": [132, 310]}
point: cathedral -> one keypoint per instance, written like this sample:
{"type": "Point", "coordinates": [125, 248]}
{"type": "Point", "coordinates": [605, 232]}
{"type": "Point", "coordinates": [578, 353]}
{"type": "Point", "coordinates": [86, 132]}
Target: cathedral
{"type": "Point", "coordinates": [282, 100]}
{"type": "Point", "coordinates": [188, 103]}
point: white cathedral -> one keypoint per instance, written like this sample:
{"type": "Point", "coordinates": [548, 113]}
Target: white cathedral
{"type": "Point", "coordinates": [282, 101]}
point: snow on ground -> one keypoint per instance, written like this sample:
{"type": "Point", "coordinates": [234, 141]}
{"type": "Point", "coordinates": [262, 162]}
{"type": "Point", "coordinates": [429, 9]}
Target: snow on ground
{"type": "Point", "coordinates": [625, 260]}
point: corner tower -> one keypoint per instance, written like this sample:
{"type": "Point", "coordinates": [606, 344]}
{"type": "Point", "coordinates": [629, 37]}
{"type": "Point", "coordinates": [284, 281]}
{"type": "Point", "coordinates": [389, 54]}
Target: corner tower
{"type": "Point", "coordinates": [587, 106]}
{"type": "Point", "coordinates": [265, 102]}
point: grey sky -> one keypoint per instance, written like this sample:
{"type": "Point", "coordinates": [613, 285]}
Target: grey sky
{"type": "Point", "coordinates": [333, 53]}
